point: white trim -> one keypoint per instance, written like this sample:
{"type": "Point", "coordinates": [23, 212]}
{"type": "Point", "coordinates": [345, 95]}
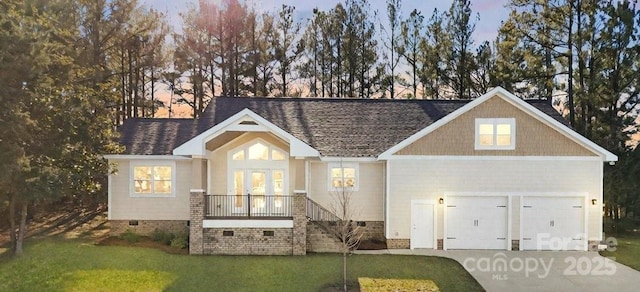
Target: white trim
{"type": "Point", "coordinates": [348, 159]}
{"type": "Point", "coordinates": [209, 176]}
{"type": "Point", "coordinates": [247, 223]}
{"type": "Point", "coordinates": [196, 191]}
{"type": "Point", "coordinates": [509, 97]}
{"type": "Point", "coordinates": [196, 146]}
{"type": "Point", "coordinates": [434, 204]}
{"type": "Point", "coordinates": [298, 192]}
{"type": "Point", "coordinates": [386, 200]}
{"type": "Point", "coordinates": [494, 122]}
{"type": "Point", "coordinates": [145, 157]}
{"type": "Point", "coordinates": [109, 195]}
{"type": "Point", "coordinates": [600, 203]}
{"type": "Point", "coordinates": [497, 157]}
{"type": "Point", "coordinates": [307, 171]}
{"type": "Point", "coordinates": [152, 163]}
{"type": "Point", "coordinates": [343, 165]}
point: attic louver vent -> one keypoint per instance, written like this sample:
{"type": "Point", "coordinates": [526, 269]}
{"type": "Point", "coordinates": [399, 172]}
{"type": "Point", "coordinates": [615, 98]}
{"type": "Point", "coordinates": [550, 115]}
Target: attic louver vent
{"type": "Point", "coordinates": [248, 123]}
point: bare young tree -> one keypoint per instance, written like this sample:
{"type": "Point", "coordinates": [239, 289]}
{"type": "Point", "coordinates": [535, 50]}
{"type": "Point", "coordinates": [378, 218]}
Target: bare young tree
{"type": "Point", "coordinates": [346, 229]}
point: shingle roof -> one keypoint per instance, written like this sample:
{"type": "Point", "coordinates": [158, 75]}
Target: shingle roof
{"type": "Point", "coordinates": [334, 127]}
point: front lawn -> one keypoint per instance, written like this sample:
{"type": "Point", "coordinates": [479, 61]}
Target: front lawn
{"type": "Point", "coordinates": [627, 251]}
{"type": "Point", "coordinates": [73, 265]}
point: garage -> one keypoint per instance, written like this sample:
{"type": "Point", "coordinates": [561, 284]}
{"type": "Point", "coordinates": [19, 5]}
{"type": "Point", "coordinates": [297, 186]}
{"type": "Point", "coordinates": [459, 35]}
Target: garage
{"type": "Point", "coordinates": [553, 223]}
{"type": "Point", "coordinates": [476, 222]}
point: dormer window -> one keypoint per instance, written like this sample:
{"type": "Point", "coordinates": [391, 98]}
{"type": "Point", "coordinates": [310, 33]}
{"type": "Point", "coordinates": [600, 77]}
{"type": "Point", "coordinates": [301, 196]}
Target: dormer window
{"type": "Point", "coordinates": [495, 134]}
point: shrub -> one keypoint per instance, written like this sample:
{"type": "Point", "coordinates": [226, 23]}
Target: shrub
{"type": "Point", "coordinates": [180, 241]}
{"type": "Point", "coordinates": [130, 236]}
{"type": "Point", "coordinates": [162, 236]}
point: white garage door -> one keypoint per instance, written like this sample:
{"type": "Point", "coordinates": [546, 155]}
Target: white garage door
{"type": "Point", "coordinates": [476, 222]}
{"type": "Point", "coordinates": [553, 223]}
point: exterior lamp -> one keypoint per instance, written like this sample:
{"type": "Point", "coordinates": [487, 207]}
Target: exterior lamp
{"type": "Point", "coordinates": [594, 202]}
{"type": "Point", "coordinates": [441, 201]}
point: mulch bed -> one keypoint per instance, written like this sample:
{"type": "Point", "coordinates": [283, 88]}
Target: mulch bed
{"type": "Point", "coordinates": [143, 242]}
{"type": "Point", "coordinates": [372, 245]}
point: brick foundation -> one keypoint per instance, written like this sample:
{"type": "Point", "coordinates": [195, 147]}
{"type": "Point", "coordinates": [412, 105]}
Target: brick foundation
{"type": "Point", "coordinates": [248, 241]}
{"type": "Point", "coordinates": [146, 227]}
{"type": "Point", "coordinates": [440, 243]}
{"type": "Point", "coordinates": [373, 230]}
{"type": "Point", "coordinates": [592, 245]}
{"type": "Point", "coordinates": [398, 243]}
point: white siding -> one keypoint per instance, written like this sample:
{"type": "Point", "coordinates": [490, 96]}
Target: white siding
{"type": "Point", "coordinates": [367, 199]}
{"type": "Point", "coordinates": [125, 207]}
{"type": "Point", "coordinates": [430, 179]}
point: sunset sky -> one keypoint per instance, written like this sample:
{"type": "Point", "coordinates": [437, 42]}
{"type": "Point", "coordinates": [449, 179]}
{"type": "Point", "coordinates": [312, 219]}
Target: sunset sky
{"type": "Point", "coordinates": [492, 12]}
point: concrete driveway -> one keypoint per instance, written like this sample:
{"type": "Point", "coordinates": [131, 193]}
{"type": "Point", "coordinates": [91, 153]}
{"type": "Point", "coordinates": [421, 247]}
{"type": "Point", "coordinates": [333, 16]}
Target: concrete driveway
{"type": "Point", "coordinates": [539, 270]}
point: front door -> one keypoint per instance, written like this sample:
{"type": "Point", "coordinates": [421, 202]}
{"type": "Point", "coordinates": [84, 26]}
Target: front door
{"type": "Point", "coordinates": [258, 179]}
{"type": "Point", "coordinates": [422, 225]}
{"type": "Point", "coordinates": [261, 193]}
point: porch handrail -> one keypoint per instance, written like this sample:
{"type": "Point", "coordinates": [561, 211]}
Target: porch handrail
{"type": "Point", "coordinates": [248, 206]}
{"type": "Point", "coordinates": [316, 212]}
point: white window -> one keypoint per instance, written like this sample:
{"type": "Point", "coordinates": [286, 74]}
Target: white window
{"type": "Point", "coordinates": [495, 134]}
{"type": "Point", "coordinates": [258, 151]}
{"type": "Point", "coordinates": [343, 175]}
{"type": "Point", "coordinates": [152, 179]}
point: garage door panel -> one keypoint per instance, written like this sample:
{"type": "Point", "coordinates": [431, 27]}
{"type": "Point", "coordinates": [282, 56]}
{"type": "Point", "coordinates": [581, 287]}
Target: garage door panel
{"type": "Point", "coordinates": [553, 223]}
{"type": "Point", "coordinates": [476, 222]}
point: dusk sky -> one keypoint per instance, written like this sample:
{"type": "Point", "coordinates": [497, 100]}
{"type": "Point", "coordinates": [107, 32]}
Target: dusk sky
{"type": "Point", "coordinates": [492, 12]}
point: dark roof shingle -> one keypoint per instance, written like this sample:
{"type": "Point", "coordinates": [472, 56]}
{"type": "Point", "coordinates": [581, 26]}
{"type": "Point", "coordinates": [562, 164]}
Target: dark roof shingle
{"type": "Point", "coordinates": [334, 127]}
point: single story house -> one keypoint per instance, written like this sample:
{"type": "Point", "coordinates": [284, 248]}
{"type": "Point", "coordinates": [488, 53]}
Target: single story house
{"type": "Point", "coordinates": [253, 175]}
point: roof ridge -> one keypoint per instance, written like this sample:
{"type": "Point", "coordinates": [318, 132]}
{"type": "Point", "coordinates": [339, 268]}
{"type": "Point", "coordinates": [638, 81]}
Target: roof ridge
{"type": "Point", "coordinates": [339, 99]}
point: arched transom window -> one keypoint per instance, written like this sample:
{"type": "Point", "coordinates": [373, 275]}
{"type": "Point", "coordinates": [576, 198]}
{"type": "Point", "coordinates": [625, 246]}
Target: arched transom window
{"type": "Point", "coordinates": [258, 150]}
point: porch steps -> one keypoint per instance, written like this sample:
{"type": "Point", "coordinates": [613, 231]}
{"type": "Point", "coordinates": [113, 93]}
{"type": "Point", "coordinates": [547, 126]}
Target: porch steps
{"type": "Point", "coordinates": [319, 239]}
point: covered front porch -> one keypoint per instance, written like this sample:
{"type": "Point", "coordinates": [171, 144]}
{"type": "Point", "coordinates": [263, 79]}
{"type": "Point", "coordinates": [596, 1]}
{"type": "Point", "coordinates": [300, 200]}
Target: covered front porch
{"type": "Point", "coordinates": [248, 188]}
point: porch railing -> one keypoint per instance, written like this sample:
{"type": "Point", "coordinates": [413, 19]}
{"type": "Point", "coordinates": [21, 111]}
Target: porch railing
{"type": "Point", "coordinates": [315, 212]}
{"type": "Point", "coordinates": [248, 206]}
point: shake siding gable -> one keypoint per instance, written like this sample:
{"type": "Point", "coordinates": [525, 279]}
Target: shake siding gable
{"type": "Point", "coordinates": [533, 137]}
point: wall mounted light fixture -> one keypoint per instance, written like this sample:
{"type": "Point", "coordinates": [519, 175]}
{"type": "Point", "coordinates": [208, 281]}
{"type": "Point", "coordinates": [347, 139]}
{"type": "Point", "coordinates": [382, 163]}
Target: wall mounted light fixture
{"type": "Point", "coordinates": [594, 202]}
{"type": "Point", "coordinates": [441, 201]}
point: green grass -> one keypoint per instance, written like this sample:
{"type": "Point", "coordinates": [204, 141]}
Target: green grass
{"type": "Point", "coordinates": [627, 252]}
{"type": "Point", "coordinates": [72, 265]}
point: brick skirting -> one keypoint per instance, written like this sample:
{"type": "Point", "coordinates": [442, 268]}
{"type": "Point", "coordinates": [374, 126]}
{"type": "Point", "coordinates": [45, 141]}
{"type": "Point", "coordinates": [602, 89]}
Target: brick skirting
{"type": "Point", "coordinates": [398, 243]}
{"type": "Point", "coordinates": [146, 227]}
{"type": "Point", "coordinates": [248, 241]}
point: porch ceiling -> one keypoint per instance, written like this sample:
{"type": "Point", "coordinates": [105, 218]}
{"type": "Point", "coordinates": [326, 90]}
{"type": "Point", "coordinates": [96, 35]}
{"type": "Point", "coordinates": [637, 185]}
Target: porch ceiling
{"type": "Point", "coordinates": [222, 139]}
{"type": "Point", "coordinates": [229, 136]}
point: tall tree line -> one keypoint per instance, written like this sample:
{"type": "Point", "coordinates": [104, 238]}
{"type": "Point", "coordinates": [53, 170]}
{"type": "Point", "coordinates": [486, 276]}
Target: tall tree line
{"type": "Point", "coordinates": [227, 48]}
{"type": "Point", "coordinates": [586, 53]}
{"type": "Point", "coordinates": [72, 70]}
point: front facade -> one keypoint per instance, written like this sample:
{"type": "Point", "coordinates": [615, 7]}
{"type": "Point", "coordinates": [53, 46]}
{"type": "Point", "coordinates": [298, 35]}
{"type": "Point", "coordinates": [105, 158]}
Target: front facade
{"type": "Point", "coordinates": [256, 175]}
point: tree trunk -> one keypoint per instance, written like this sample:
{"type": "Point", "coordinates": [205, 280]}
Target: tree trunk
{"type": "Point", "coordinates": [344, 270]}
{"type": "Point", "coordinates": [572, 109]}
{"type": "Point", "coordinates": [22, 230]}
{"type": "Point", "coordinates": [12, 222]}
